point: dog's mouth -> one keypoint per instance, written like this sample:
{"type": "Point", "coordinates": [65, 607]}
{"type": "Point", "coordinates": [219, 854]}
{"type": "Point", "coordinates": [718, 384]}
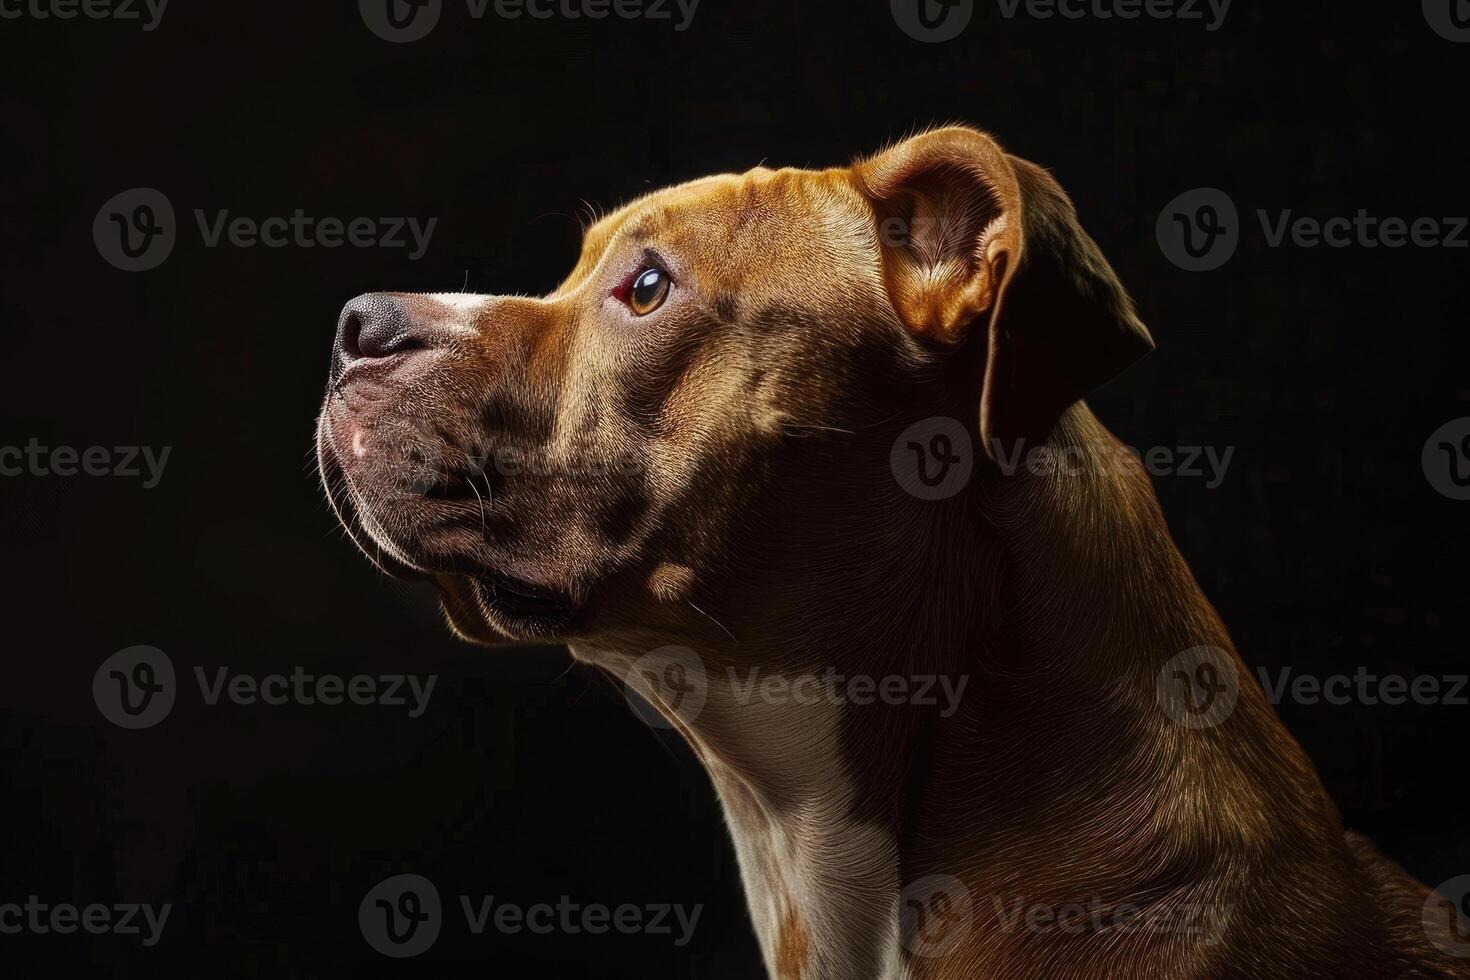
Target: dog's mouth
{"type": "Point", "coordinates": [505, 602]}
{"type": "Point", "coordinates": [529, 607]}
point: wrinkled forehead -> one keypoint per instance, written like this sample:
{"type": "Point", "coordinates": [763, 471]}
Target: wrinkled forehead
{"type": "Point", "coordinates": [733, 228]}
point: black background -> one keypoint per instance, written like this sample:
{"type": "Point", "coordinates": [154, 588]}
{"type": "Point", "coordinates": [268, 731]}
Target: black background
{"type": "Point", "coordinates": [1325, 547]}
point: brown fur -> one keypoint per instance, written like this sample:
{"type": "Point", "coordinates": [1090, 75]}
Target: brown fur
{"type": "Point", "coordinates": [815, 315]}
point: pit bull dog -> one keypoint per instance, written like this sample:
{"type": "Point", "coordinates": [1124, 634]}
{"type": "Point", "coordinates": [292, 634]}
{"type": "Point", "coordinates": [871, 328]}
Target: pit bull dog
{"type": "Point", "coordinates": [755, 458]}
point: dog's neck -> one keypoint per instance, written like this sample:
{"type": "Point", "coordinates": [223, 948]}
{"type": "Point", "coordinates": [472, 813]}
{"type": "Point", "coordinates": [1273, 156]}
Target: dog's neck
{"type": "Point", "coordinates": [955, 701]}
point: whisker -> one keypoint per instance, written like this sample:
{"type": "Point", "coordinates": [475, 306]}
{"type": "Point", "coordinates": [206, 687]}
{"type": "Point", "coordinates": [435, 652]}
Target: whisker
{"type": "Point", "coordinates": [712, 620]}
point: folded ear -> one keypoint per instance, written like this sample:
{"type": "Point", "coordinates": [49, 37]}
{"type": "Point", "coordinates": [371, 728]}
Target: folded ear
{"type": "Point", "coordinates": [972, 239]}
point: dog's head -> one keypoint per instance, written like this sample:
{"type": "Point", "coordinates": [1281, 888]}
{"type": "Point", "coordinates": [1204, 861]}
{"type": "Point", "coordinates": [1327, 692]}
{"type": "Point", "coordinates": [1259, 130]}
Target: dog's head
{"type": "Point", "coordinates": [632, 433]}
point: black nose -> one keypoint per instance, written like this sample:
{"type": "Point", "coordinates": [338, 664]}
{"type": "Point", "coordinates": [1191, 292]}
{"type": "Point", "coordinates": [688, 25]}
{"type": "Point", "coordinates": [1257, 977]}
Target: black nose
{"type": "Point", "coordinates": [371, 326]}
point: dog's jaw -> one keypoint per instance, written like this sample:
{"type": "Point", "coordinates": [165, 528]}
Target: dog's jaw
{"type": "Point", "coordinates": [482, 603]}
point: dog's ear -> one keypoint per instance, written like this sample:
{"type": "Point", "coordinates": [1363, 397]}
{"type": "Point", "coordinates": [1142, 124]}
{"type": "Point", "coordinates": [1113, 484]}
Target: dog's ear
{"type": "Point", "coordinates": [973, 238]}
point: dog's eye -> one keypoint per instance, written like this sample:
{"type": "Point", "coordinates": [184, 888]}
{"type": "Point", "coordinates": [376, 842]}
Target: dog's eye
{"type": "Point", "coordinates": [648, 290]}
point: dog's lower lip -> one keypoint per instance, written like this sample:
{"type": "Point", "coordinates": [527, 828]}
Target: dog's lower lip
{"type": "Point", "coordinates": [519, 588]}
{"type": "Point", "coordinates": [519, 598]}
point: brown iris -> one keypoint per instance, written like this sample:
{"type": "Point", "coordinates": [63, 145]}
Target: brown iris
{"type": "Point", "coordinates": [648, 292]}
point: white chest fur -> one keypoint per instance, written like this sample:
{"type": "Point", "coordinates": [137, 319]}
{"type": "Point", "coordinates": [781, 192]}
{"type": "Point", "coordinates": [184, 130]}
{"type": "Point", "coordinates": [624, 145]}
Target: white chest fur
{"type": "Point", "coordinates": [822, 886]}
